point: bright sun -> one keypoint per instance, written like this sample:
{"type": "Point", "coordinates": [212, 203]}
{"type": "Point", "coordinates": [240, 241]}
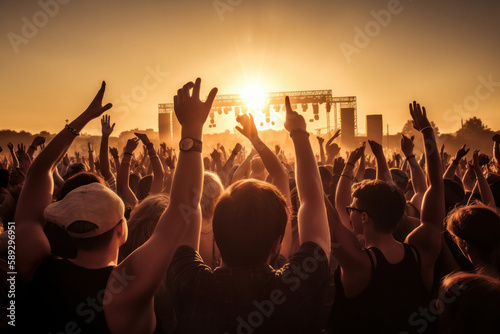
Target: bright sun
{"type": "Point", "coordinates": [254, 96]}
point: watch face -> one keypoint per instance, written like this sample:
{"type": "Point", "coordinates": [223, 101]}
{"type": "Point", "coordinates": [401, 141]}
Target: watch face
{"type": "Point", "coordinates": [186, 144]}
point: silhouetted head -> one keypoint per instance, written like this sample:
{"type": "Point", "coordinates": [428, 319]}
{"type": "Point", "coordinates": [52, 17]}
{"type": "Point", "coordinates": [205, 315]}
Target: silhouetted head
{"type": "Point", "coordinates": [249, 223]}
{"type": "Point", "coordinates": [378, 201]}
{"type": "Point", "coordinates": [476, 230]}
{"type": "Point", "coordinates": [144, 187]}
{"type": "Point", "coordinates": [370, 174]}
{"type": "Point", "coordinates": [142, 222]}
{"type": "Point", "coordinates": [212, 189]}
{"type": "Point", "coordinates": [74, 169]}
{"type": "Point", "coordinates": [400, 178]}
{"type": "Point", "coordinates": [469, 303]}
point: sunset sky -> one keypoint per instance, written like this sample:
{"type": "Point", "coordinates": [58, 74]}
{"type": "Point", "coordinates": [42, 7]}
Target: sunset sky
{"type": "Point", "coordinates": [445, 54]}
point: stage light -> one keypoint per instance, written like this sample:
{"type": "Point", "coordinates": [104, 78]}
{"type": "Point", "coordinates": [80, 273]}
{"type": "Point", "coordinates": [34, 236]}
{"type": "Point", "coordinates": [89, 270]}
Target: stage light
{"type": "Point", "coordinates": [304, 107]}
{"type": "Point", "coordinates": [254, 97]}
{"type": "Point", "coordinates": [315, 108]}
{"type": "Point", "coordinates": [219, 110]}
{"type": "Point", "coordinates": [328, 107]}
{"type": "Point", "coordinates": [316, 117]}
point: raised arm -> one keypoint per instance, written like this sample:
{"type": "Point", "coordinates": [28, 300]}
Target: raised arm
{"type": "Point", "coordinates": [496, 149]}
{"type": "Point", "coordinates": [106, 130]}
{"type": "Point", "coordinates": [452, 168]}
{"type": "Point", "coordinates": [122, 185]}
{"type": "Point", "coordinates": [242, 170]}
{"type": "Point", "coordinates": [38, 141]}
{"type": "Point", "coordinates": [158, 172]}
{"type": "Point", "coordinates": [427, 237]}
{"type": "Point", "coordinates": [274, 167]}
{"type": "Point", "coordinates": [383, 172]}
{"type": "Point", "coordinates": [322, 158]}
{"type": "Point", "coordinates": [32, 244]}
{"type": "Point", "coordinates": [484, 189]}
{"type": "Point", "coordinates": [343, 196]}
{"type": "Point", "coordinates": [131, 310]}
{"type": "Point", "coordinates": [15, 162]}
{"type": "Point", "coordinates": [417, 174]}
{"type": "Point", "coordinates": [312, 218]}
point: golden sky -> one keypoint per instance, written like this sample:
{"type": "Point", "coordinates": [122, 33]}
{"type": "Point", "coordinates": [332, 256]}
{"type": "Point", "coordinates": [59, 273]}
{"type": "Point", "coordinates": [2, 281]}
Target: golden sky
{"type": "Point", "coordinates": [55, 53]}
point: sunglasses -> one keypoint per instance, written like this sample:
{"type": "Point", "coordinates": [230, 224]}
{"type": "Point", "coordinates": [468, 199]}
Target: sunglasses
{"type": "Point", "coordinates": [350, 209]}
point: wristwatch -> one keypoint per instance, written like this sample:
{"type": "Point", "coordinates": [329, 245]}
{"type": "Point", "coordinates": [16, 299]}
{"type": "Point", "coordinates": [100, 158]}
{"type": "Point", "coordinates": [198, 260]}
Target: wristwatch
{"type": "Point", "coordinates": [189, 144]}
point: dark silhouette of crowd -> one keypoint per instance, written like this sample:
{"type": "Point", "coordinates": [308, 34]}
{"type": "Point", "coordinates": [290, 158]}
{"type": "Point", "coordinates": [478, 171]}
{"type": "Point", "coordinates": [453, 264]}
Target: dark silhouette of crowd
{"type": "Point", "coordinates": [157, 239]}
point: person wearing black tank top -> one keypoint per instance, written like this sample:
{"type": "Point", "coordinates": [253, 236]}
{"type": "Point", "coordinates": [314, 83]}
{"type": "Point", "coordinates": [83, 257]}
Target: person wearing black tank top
{"type": "Point", "coordinates": [381, 287]}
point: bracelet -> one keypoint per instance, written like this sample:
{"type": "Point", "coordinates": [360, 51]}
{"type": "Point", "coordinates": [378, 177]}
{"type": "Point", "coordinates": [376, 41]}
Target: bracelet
{"type": "Point", "coordinates": [427, 127]}
{"type": "Point", "coordinates": [410, 156]}
{"type": "Point", "coordinates": [294, 131]}
{"type": "Point", "coordinates": [127, 153]}
{"type": "Point", "coordinates": [70, 129]}
{"type": "Point", "coordinates": [350, 178]}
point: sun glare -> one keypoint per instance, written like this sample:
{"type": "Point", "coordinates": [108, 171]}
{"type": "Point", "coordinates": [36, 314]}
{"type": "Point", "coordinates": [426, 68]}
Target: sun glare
{"type": "Point", "coordinates": [254, 97]}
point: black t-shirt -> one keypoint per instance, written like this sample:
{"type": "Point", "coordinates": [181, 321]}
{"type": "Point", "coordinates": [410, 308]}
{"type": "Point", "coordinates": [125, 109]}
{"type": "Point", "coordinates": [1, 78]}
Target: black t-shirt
{"type": "Point", "coordinates": [64, 298]}
{"type": "Point", "coordinates": [255, 299]}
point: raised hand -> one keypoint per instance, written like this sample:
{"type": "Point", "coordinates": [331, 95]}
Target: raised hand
{"type": "Point", "coordinates": [10, 146]}
{"type": "Point", "coordinates": [237, 148]}
{"type": "Point", "coordinates": [89, 145]}
{"type": "Point", "coordinates": [107, 129]}
{"type": "Point", "coordinates": [21, 149]}
{"type": "Point", "coordinates": [355, 155]}
{"type": "Point", "coordinates": [376, 148]}
{"type": "Point", "coordinates": [294, 121]}
{"type": "Point", "coordinates": [190, 111]}
{"type": "Point", "coordinates": [38, 141]}
{"type": "Point", "coordinates": [144, 138]}
{"type": "Point", "coordinates": [132, 144]}
{"type": "Point", "coordinates": [114, 152]}
{"type": "Point", "coordinates": [496, 138]}
{"type": "Point", "coordinates": [77, 155]}
{"type": "Point", "coordinates": [336, 135]}
{"type": "Point", "coordinates": [65, 160]}
{"type": "Point", "coordinates": [248, 128]}
{"type": "Point", "coordinates": [95, 108]}
{"type": "Point", "coordinates": [476, 161]}
{"type": "Point", "coordinates": [462, 152]}
{"type": "Point", "coordinates": [406, 145]}
{"type": "Point", "coordinates": [215, 155]}
{"type": "Point", "coordinates": [419, 115]}
{"type": "Point", "coordinates": [320, 140]}
{"type": "Point", "coordinates": [338, 166]}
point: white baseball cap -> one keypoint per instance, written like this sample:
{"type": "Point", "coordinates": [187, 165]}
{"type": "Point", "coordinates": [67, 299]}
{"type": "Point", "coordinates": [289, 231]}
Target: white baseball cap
{"type": "Point", "coordinates": [94, 203]}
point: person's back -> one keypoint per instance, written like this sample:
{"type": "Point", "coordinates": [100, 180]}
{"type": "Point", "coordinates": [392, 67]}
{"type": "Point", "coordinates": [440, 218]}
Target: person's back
{"type": "Point", "coordinates": [394, 293]}
{"type": "Point", "coordinates": [250, 299]}
{"type": "Point", "coordinates": [65, 297]}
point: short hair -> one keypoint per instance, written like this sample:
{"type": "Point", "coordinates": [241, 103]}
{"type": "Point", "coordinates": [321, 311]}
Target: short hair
{"type": "Point", "coordinates": [384, 203]}
{"type": "Point", "coordinates": [92, 243]}
{"type": "Point", "coordinates": [74, 169]}
{"type": "Point", "coordinates": [144, 187]}
{"type": "Point", "coordinates": [479, 226]}
{"type": "Point", "coordinates": [400, 178]}
{"type": "Point", "coordinates": [256, 165]}
{"type": "Point", "coordinates": [212, 189]}
{"type": "Point", "coordinates": [249, 218]}
{"type": "Point", "coordinates": [78, 180]}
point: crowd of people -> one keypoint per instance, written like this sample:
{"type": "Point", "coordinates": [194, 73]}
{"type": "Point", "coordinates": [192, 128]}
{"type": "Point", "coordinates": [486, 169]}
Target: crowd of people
{"type": "Point", "coordinates": [249, 240]}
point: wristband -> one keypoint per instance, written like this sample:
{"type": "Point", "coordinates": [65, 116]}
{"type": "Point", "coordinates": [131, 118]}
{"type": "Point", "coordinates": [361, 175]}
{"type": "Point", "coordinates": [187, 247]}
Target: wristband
{"type": "Point", "coordinates": [70, 129]}
{"type": "Point", "coordinates": [410, 156]}
{"type": "Point", "coordinates": [427, 127]}
{"type": "Point", "coordinates": [295, 131]}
